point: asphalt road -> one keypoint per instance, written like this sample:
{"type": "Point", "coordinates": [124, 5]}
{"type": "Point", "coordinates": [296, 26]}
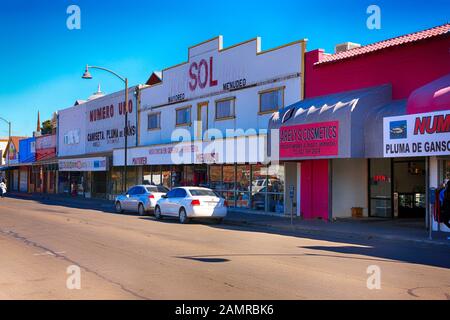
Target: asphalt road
{"type": "Point", "coordinates": [124, 256]}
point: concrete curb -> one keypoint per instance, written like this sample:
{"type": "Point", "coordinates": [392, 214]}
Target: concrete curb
{"type": "Point", "coordinates": [346, 234]}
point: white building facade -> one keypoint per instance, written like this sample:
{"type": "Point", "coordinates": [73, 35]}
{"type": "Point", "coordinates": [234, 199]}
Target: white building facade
{"type": "Point", "coordinates": [218, 104]}
{"type": "Point", "coordinates": [87, 135]}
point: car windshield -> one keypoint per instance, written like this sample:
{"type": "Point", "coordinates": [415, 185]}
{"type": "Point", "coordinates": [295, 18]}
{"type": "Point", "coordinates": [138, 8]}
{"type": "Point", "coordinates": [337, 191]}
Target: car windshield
{"type": "Point", "coordinates": [202, 192]}
{"type": "Point", "coordinates": [161, 189]}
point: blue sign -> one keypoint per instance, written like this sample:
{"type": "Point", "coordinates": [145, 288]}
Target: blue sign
{"type": "Point", "coordinates": [398, 129]}
{"type": "Point", "coordinates": [27, 150]}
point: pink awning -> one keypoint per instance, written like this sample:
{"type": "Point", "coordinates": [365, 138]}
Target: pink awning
{"type": "Point", "coordinates": [434, 96]}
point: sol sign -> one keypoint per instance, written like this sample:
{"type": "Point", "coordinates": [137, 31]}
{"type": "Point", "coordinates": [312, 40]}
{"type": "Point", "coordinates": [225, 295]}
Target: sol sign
{"type": "Point", "coordinates": [201, 74]}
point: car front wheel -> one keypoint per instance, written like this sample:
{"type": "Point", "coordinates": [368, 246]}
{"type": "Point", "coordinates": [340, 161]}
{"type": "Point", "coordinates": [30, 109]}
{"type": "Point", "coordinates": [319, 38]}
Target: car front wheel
{"type": "Point", "coordinates": [118, 207]}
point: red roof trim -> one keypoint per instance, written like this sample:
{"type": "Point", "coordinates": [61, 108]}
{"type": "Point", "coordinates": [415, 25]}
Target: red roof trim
{"type": "Point", "coordinates": [400, 40]}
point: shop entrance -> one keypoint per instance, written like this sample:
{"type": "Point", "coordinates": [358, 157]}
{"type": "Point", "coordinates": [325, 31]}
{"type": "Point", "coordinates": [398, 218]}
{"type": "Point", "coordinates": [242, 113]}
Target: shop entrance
{"type": "Point", "coordinates": [409, 188]}
{"type": "Point", "coordinates": [397, 188]}
{"type": "Point", "coordinates": [99, 184]}
{"type": "Point", "coordinates": [314, 189]}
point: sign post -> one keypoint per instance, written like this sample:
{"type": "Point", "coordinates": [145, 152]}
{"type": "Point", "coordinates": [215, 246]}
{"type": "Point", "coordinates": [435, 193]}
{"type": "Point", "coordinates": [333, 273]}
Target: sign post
{"type": "Point", "coordinates": [291, 196]}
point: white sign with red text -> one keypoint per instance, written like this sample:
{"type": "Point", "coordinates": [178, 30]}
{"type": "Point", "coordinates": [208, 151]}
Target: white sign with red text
{"type": "Point", "coordinates": [424, 134]}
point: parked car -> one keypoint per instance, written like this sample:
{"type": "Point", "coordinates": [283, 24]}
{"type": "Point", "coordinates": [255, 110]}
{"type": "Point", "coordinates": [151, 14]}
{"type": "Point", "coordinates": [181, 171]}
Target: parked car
{"type": "Point", "coordinates": [191, 202]}
{"type": "Point", "coordinates": [140, 198]}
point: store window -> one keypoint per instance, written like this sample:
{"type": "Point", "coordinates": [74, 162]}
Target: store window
{"type": "Point", "coordinates": [147, 175]}
{"type": "Point", "coordinates": [380, 187]}
{"type": "Point", "coordinates": [116, 180]}
{"type": "Point", "coordinates": [275, 189]}
{"type": "Point", "coordinates": [154, 122]}
{"type": "Point", "coordinates": [215, 177]}
{"type": "Point", "coordinates": [225, 109]}
{"type": "Point", "coordinates": [188, 179]}
{"type": "Point", "coordinates": [271, 100]}
{"type": "Point", "coordinates": [228, 177]}
{"type": "Point", "coordinates": [183, 116]}
{"type": "Point", "coordinates": [165, 176]}
{"type": "Point", "coordinates": [259, 187]}
{"type": "Point", "coordinates": [156, 175]}
{"type": "Point", "coordinates": [243, 186]}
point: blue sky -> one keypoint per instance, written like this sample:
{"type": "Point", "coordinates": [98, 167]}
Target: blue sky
{"type": "Point", "coordinates": [42, 60]}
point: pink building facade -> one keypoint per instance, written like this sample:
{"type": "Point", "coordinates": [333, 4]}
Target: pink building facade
{"type": "Point", "coordinates": [366, 87]}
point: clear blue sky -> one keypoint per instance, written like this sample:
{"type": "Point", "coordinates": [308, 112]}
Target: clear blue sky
{"type": "Point", "coordinates": [42, 61]}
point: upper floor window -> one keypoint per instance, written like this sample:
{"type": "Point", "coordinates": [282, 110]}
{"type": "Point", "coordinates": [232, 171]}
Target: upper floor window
{"type": "Point", "coordinates": [271, 100]}
{"type": "Point", "coordinates": [183, 116]}
{"type": "Point", "coordinates": [154, 121]}
{"type": "Point", "coordinates": [225, 108]}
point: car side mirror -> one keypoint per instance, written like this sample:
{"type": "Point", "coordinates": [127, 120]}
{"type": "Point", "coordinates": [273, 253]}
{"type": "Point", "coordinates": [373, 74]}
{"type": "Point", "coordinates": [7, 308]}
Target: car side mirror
{"type": "Point", "coordinates": [164, 196]}
{"type": "Point", "coordinates": [127, 195]}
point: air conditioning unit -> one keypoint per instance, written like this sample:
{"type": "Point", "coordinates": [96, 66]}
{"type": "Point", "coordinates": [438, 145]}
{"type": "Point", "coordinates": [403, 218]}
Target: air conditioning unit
{"type": "Point", "coordinates": [346, 46]}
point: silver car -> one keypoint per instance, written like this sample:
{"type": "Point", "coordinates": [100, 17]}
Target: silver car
{"type": "Point", "coordinates": [140, 199]}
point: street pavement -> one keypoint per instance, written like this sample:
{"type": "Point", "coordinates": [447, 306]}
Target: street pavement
{"type": "Point", "coordinates": [124, 256]}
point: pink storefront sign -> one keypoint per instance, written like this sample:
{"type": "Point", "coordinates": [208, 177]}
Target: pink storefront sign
{"type": "Point", "coordinates": [309, 140]}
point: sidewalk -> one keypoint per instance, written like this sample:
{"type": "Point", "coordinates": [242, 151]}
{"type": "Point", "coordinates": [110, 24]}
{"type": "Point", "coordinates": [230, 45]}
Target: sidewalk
{"type": "Point", "coordinates": [365, 228]}
{"type": "Point", "coordinates": [66, 200]}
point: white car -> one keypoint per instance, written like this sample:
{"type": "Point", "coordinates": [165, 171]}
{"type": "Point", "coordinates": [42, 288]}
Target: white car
{"type": "Point", "coordinates": [191, 202]}
{"type": "Point", "coordinates": [141, 198]}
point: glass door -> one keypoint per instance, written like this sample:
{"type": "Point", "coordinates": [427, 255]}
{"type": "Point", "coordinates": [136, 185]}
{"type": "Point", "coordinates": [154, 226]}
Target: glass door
{"type": "Point", "coordinates": [380, 188]}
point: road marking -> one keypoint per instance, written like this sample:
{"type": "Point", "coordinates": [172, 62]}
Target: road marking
{"type": "Point", "coordinates": [48, 253]}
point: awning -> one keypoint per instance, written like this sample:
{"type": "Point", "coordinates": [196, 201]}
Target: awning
{"type": "Point", "coordinates": [434, 96]}
{"type": "Point", "coordinates": [331, 126]}
{"type": "Point", "coordinates": [373, 132]}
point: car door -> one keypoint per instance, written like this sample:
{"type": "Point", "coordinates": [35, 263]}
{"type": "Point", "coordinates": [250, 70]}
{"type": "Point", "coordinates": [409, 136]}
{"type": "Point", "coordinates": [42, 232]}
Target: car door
{"type": "Point", "coordinates": [135, 198]}
{"type": "Point", "coordinates": [177, 201]}
{"type": "Point", "coordinates": [164, 203]}
{"type": "Point", "coordinates": [126, 203]}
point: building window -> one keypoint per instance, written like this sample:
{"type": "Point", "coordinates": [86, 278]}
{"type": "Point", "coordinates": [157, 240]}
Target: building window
{"type": "Point", "coordinates": [154, 122]}
{"type": "Point", "coordinates": [271, 100]}
{"type": "Point", "coordinates": [183, 116]}
{"type": "Point", "coordinates": [225, 109]}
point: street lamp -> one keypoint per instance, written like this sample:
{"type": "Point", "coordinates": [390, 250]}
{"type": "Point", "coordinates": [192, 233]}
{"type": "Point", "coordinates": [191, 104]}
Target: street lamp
{"type": "Point", "coordinates": [87, 75]}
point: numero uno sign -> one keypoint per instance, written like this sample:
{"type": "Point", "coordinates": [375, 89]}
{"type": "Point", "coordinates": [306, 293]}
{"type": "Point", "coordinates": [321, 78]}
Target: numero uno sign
{"type": "Point", "coordinates": [201, 74]}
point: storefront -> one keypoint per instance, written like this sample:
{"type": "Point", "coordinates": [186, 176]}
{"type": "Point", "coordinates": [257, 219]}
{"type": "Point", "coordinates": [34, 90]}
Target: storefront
{"type": "Point", "coordinates": [27, 156]}
{"type": "Point", "coordinates": [88, 132]}
{"type": "Point", "coordinates": [12, 160]}
{"type": "Point", "coordinates": [419, 144]}
{"type": "Point", "coordinates": [44, 172]}
{"type": "Point", "coordinates": [360, 149]}
{"type": "Point", "coordinates": [325, 144]}
{"type": "Point", "coordinates": [87, 177]}
{"type": "Point", "coordinates": [225, 95]}
{"type": "Point", "coordinates": [246, 185]}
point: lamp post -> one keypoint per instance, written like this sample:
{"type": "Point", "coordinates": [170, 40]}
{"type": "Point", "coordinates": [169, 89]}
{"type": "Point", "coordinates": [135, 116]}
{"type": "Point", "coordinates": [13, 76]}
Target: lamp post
{"type": "Point", "coordinates": [9, 127]}
{"type": "Point", "coordinates": [87, 75]}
